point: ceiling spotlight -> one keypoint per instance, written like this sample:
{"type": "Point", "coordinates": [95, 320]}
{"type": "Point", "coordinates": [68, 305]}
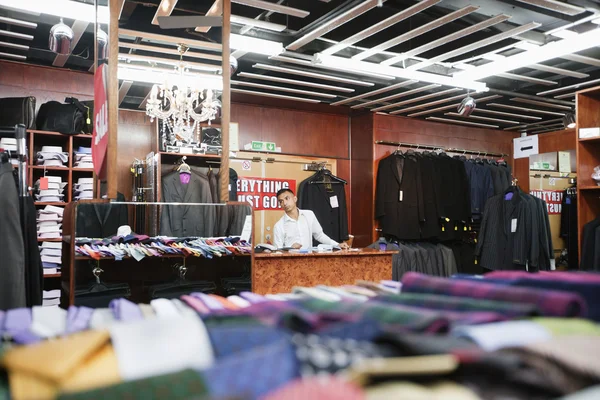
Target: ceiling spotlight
{"type": "Point", "coordinates": [102, 44]}
{"type": "Point", "coordinates": [61, 38]}
{"type": "Point", "coordinates": [466, 107]}
{"type": "Point", "coordinates": [569, 120]}
{"type": "Point", "coordinates": [233, 65]}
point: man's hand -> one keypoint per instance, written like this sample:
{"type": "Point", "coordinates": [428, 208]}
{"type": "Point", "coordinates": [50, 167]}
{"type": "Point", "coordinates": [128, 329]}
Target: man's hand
{"type": "Point", "coordinates": [344, 246]}
{"type": "Point", "coordinates": [296, 246]}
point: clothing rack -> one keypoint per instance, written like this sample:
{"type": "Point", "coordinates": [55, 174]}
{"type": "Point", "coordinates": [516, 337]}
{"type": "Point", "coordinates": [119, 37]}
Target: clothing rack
{"type": "Point", "coordinates": [432, 147]}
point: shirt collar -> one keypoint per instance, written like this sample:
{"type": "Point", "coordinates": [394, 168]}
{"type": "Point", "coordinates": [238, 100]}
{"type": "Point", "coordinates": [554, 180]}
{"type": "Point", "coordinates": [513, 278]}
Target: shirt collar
{"type": "Point", "coordinates": [288, 218]}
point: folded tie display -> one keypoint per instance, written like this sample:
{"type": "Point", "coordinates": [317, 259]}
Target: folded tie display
{"type": "Point", "coordinates": [361, 341]}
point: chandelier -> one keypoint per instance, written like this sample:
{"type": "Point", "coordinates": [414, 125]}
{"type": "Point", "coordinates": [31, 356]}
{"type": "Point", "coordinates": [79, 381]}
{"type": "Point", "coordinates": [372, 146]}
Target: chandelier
{"type": "Point", "coordinates": [181, 108]}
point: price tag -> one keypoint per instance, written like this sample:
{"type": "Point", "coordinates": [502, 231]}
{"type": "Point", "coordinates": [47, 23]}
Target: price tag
{"type": "Point", "coordinates": [333, 200]}
{"type": "Point", "coordinates": [400, 195]}
{"type": "Point", "coordinates": [43, 183]}
{"type": "Point", "coordinates": [513, 225]}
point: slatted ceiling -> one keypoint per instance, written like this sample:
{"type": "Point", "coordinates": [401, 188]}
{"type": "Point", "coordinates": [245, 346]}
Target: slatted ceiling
{"type": "Point", "coordinates": [123, 89]}
{"type": "Point", "coordinates": [477, 117]}
{"type": "Point", "coordinates": [172, 51]}
{"type": "Point", "coordinates": [429, 104]}
{"type": "Point", "coordinates": [284, 89]}
{"type": "Point", "coordinates": [506, 114]}
{"type": "Point", "coordinates": [534, 124]}
{"type": "Point", "coordinates": [582, 59]}
{"type": "Point", "coordinates": [276, 96]}
{"type": "Point", "coordinates": [214, 10]}
{"type": "Point", "coordinates": [565, 96]}
{"type": "Point", "coordinates": [395, 96]}
{"type": "Point", "coordinates": [523, 78]}
{"type": "Point", "coordinates": [314, 75]}
{"type": "Point", "coordinates": [574, 86]}
{"type": "Point", "coordinates": [556, 6]}
{"type": "Point", "coordinates": [278, 8]}
{"type": "Point", "coordinates": [542, 103]}
{"type": "Point", "coordinates": [294, 82]}
{"type": "Point", "coordinates": [558, 71]}
{"type": "Point", "coordinates": [374, 93]}
{"type": "Point", "coordinates": [78, 28]}
{"type": "Point", "coordinates": [435, 110]}
{"type": "Point", "coordinates": [447, 39]}
{"type": "Point", "coordinates": [306, 63]}
{"type": "Point", "coordinates": [459, 122]}
{"type": "Point", "coordinates": [531, 110]}
{"type": "Point", "coordinates": [546, 129]}
{"type": "Point", "coordinates": [13, 45]}
{"type": "Point", "coordinates": [421, 98]}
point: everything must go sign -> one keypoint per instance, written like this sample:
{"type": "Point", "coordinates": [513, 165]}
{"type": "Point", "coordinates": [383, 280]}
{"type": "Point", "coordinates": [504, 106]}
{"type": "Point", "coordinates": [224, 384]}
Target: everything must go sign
{"type": "Point", "coordinates": [261, 193]}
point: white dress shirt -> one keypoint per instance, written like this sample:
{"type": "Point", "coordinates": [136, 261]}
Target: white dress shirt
{"type": "Point", "coordinates": [288, 231]}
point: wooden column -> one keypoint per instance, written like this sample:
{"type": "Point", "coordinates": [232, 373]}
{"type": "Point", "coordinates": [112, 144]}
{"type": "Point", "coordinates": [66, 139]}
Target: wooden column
{"type": "Point", "coordinates": [113, 99]}
{"type": "Point", "coordinates": [225, 101]}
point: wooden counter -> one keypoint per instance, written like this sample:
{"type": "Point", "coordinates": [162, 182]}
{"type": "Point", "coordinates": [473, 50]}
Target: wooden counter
{"type": "Point", "coordinates": [280, 272]}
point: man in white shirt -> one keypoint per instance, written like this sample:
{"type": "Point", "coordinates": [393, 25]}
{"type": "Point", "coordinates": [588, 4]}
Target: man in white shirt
{"type": "Point", "coordinates": [297, 228]}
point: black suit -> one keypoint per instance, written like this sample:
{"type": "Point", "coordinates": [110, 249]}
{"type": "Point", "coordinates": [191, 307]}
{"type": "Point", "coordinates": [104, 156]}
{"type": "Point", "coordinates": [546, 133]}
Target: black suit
{"type": "Point", "coordinates": [398, 197]}
{"type": "Point", "coordinates": [498, 246]}
{"type": "Point", "coordinates": [101, 220]}
{"type": "Point", "coordinates": [181, 220]}
{"type": "Point", "coordinates": [588, 246]}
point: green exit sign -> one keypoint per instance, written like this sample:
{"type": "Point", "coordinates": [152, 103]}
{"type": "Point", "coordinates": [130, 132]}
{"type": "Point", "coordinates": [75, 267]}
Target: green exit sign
{"type": "Point", "coordinates": [263, 146]}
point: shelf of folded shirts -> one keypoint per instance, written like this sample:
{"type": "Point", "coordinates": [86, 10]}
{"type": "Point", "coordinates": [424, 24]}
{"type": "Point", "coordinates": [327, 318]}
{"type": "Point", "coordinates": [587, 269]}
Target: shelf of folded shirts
{"type": "Point", "coordinates": [57, 275]}
{"type": "Point", "coordinates": [50, 203]}
{"type": "Point", "coordinates": [163, 256]}
{"type": "Point", "coordinates": [49, 240]}
{"type": "Point", "coordinates": [208, 156]}
{"type": "Point", "coordinates": [50, 133]}
{"type": "Point", "coordinates": [65, 168]}
{"type": "Point", "coordinates": [75, 169]}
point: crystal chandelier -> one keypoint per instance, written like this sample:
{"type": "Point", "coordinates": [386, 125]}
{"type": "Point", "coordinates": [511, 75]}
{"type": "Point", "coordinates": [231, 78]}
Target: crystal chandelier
{"type": "Point", "coordinates": [180, 107]}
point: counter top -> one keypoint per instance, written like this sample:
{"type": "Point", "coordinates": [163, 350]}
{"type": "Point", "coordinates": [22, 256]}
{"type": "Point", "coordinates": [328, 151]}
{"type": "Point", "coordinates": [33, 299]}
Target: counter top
{"type": "Point", "coordinates": [340, 253]}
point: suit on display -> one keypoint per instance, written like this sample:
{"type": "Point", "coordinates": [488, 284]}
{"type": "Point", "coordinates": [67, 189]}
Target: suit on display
{"type": "Point", "coordinates": [101, 220]}
{"type": "Point", "coordinates": [181, 220]}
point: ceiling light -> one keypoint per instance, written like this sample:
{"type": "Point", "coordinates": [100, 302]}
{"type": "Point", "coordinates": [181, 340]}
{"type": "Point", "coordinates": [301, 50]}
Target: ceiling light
{"type": "Point", "coordinates": [364, 66]}
{"type": "Point", "coordinates": [254, 45]}
{"type": "Point", "coordinates": [276, 96]}
{"type": "Point", "coordinates": [569, 120]}
{"type": "Point", "coordinates": [543, 53]}
{"type": "Point", "coordinates": [60, 8]}
{"type": "Point", "coordinates": [61, 38]}
{"type": "Point", "coordinates": [466, 107]}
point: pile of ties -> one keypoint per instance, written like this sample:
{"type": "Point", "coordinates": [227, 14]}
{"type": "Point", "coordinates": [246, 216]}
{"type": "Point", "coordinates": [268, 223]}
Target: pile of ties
{"type": "Point", "coordinates": [141, 246]}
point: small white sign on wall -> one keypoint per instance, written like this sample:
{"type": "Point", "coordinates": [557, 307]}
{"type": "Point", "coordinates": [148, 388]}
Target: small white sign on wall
{"type": "Point", "coordinates": [526, 146]}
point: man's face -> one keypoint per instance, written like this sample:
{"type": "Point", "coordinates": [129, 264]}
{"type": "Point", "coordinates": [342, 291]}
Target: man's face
{"type": "Point", "coordinates": [287, 201]}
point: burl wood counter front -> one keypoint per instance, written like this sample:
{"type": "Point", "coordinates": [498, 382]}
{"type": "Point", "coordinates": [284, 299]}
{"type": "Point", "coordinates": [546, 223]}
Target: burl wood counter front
{"type": "Point", "coordinates": [279, 273]}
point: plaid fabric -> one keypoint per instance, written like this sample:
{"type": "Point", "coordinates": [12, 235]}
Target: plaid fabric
{"type": "Point", "coordinates": [440, 302]}
{"type": "Point", "coordinates": [186, 384]}
{"type": "Point", "coordinates": [549, 302]}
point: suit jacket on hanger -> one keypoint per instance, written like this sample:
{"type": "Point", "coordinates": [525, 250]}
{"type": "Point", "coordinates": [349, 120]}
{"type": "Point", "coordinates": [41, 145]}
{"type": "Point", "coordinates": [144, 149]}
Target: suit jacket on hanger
{"type": "Point", "coordinates": [588, 246]}
{"type": "Point", "coordinates": [12, 250]}
{"type": "Point", "coordinates": [333, 220]}
{"type": "Point", "coordinates": [181, 220]}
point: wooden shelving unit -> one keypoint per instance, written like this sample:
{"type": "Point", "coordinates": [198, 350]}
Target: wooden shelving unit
{"type": "Point", "coordinates": [37, 139]}
{"type": "Point", "coordinates": [588, 157]}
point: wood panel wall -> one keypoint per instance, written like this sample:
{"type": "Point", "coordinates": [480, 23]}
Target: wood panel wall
{"type": "Point", "coordinates": [45, 83]}
{"type": "Point", "coordinates": [407, 130]}
{"type": "Point", "coordinates": [562, 140]}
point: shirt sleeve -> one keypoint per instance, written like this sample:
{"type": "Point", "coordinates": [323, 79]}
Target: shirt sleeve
{"type": "Point", "coordinates": [318, 233]}
{"type": "Point", "coordinates": [278, 235]}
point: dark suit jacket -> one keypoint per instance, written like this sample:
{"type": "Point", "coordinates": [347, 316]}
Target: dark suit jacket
{"type": "Point", "coordinates": [182, 220]}
{"type": "Point", "coordinates": [101, 220]}
{"type": "Point", "coordinates": [498, 247]}
{"type": "Point", "coordinates": [12, 250]}
{"type": "Point", "coordinates": [333, 220]}
{"type": "Point", "coordinates": [399, 217]}
{"type": "Point", "coordinates": [588, 245]}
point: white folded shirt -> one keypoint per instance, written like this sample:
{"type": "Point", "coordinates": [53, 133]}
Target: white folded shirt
{"type": "Point", "coordinates": [53, 210]}
{"type": "Point", "coordinates": [52, 245]}
{"type": "Point", "coordinates": [50, 235]}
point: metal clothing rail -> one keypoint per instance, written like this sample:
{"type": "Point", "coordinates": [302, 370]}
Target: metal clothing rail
{"type": "Point", "coordinates": [431, 147]}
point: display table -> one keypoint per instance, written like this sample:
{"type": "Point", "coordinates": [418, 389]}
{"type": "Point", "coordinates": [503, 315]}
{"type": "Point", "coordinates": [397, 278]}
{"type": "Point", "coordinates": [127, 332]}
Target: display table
{"type": "Point", "coordinates": [280, 272]}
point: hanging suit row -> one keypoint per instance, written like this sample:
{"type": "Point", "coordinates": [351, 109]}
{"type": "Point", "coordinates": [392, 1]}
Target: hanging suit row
{"type": "Point", "coordinates": [422, 196]}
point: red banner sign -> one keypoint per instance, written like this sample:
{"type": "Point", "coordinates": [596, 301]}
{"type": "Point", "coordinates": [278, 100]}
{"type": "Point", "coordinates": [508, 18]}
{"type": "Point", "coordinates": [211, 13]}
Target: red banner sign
{"type": "Point", "coordinates": [553, 199]}
{"type": "Point", "coordinates": [261, 193]}
{"type": "Point", "coordinates": [100, 135]}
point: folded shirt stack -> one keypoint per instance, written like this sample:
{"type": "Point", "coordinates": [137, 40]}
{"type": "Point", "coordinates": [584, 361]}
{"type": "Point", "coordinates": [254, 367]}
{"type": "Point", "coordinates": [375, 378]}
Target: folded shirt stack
{"type": "Point", "coordinates": [83, 158]}
{"type": "Point", "coordinates": [52, 156]}
{"type": "Point", "coordinates": [10, 146]}
{"type": "Point", "coordinates": [54, 192]}
{"type": "Point", "coordinates": [51, 298]}
{"type": "Point", "coordinates": [84, 189]}
{"type": "Point", "coordinates": [51, 253]}
{"type": "Point", "coordinates": [49, 223]}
